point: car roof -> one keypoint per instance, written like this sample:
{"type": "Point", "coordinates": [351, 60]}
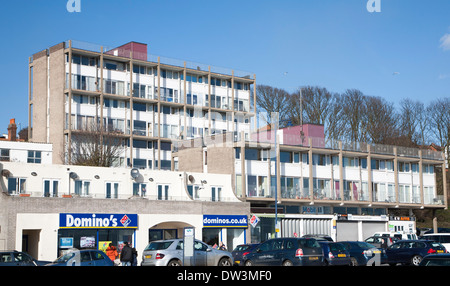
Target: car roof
{"type": "Point", "coordinates": [439, 233]}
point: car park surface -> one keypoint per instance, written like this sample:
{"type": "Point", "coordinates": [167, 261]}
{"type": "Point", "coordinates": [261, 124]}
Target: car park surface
{"type": "Point", "coordinates": [412, 251]}
{"type": "Point", "coordinates": [170, 253]}
{"type": "Point", "coordinates": [286, 252]}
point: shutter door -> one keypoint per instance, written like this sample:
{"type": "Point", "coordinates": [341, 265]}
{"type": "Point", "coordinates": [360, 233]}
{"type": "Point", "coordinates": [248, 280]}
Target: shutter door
{"type": "Point", "coordinates": [347, 231]}
{"type": "Point", "coordinates": [369, 228]}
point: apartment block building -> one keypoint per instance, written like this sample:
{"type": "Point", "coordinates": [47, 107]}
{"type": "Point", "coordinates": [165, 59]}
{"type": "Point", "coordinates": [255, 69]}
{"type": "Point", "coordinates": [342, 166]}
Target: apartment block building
{"type": "Point", "coordinates": [148, 101]}
{"type": "Point", "coordinates": [316, 186]}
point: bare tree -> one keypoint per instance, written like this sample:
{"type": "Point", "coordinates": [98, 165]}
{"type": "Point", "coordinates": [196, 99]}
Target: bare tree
{"type": "Point", "coordinates": [272, 99]}
{"type": "Point", "coordinates": [92, 147]}
{"type": "Point", "coordinates": [354, 110]}
{"type": "Point", "coordinates": [381, 120]}
{"type": "Point", "coordinates": [439, 114]}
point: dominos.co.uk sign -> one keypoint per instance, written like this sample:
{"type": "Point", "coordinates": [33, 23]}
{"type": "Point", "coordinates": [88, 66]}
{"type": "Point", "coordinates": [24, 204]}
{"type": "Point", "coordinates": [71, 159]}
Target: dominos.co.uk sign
{"type": "Point", "coordinates": [93, 220]}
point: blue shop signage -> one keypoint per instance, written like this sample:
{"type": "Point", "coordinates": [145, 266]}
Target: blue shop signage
{"type": "Point", "coordinates": [93, 220]}
{"type": "Point", "coordinates": [225, 221]}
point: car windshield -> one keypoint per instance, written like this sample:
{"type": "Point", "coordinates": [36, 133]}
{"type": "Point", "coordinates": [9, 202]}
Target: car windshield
{"type": "Point", "coordinates": [337, 247]}
{"type": "Point", "coordinates": [309, 243]}
{"type": "Point", "coordinates": [158, 245]}
{"type": "Point", "coordinates": [65, 257]}
{"type": "Point", "coordinates": [241, 247]}
{"type": "Point", "coordinates": [364, 245]}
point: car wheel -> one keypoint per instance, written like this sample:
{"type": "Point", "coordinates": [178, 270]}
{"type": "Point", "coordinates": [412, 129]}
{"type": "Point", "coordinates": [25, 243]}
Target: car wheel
{"type": "Point", "coordinates": [288, 263]}
{"type": "Point", "coordinates": [353, 262]}
{"type": "Point", "coordinates": [225, 262]}
{"type": "Point", "coordinates": [174, 262]}
{"type": "Point", "coordinates": [416, 259]}
{"type": "Point", "coordinates": [248, 263]}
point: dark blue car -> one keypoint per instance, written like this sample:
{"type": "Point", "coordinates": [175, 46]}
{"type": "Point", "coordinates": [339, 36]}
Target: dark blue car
{"type": "Point", "coordinates": [286, 252]}
{"type": "Point", "coordinates": [335, 253]}
{"type": "Point", "coordinates": [363, 253]}
{"type": "Point", "coordinates": [412, 251]}
{"type": "Point", "coordinates": [241, 250]}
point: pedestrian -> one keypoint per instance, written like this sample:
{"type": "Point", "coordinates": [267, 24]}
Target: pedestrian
{"type": "Point", "coordinates": [126, 255]}
{"type": "Point", "coordinates": [134, 257]}
{"type": "Point", "coordinates": [111, 252]}
{"type": "Point", "coordinates": [222, 246]}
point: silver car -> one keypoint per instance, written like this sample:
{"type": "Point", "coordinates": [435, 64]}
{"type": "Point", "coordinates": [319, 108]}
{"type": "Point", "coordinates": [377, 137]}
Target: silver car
{"type": "Point", "coordinates": [170, 253]}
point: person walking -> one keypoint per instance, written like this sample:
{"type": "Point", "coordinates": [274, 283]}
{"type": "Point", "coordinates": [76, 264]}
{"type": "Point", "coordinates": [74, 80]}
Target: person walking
{"type": "Point", "coordinates": [111, 252]}
{"type": "Point", "coordinates": [134, 257]}
{"type": "Point", "coordinates": [126, 255]}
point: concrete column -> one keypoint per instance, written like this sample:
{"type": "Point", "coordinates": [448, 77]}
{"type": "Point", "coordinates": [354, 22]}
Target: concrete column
{"type": "Point", "coordinates": [311, 181]}
{"type": "Point", "coordinates": [421, 178]}
{"type": "Point", "coordinates": [243, 173]}
{"type": "Point", "coordinates": [369, 174]}
{"type": "Point", "coordinates": [341, 172]}
{"type": "Point", "coordinates": [131, 109]}
{"type": "Point", "coordinates": [396, 175]}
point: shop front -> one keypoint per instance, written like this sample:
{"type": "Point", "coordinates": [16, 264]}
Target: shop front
{"type": "Point", "coordinates": [228, 229]}
{"type": "Point", "coordinates": [95, 231]}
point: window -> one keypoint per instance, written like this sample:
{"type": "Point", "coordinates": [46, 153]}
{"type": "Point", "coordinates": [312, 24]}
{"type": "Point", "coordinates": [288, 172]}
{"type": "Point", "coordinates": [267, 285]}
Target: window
{"type": "Point", "coordinates": [82, 187]}
{"type": "Point", "coordinates": [286, 157]}
{"type": "Point", "coordinates": [16, 185]}
{"type": "Point", "coordinates": [51, 188]}
{"type": "Point", "coordinates": [34, 157]}
{"type": "Point", "coordinates": [163, 192]}
{"type": "Point", "coordinates": [215, 193]}
{"type": "Point", "coordinates": [112, 190]}
{"type": "Point", "coordinates": [4, 155]}
{"type": "Point", "coordinates": [139, 189]}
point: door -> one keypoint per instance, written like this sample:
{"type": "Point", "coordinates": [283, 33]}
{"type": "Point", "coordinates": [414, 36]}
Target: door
{"type": "Point", "coordinates": [200, 253]}
{"type": "Point", "coordinates": [263, 256]}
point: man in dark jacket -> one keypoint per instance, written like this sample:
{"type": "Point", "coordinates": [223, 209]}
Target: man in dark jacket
{"type": "Point", "coordinates": [126, 255]}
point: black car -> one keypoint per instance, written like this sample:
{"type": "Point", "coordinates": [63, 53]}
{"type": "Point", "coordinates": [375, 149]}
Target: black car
{"type": "Point", "coordinates": [319, 237]}
{"type": "Point", "coordinates": [436, 260]}
{"type": "Point", "coordinates": [412, 251]}
{"type": "Point", "coordinates": [286, 252]}
{"type": "Point", "coordinates": [18, 258]}
{"type": "Point", "coordinates": [363, 253]}
{"type": "Point", "coordinates": [241, 250]}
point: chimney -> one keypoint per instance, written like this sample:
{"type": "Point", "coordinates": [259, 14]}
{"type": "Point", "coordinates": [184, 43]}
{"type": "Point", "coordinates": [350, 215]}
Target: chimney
{"type": "Point", "coordinates": [12, 130]}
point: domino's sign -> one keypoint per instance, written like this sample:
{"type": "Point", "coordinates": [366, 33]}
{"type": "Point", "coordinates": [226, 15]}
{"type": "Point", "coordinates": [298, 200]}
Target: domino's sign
{"type": "Point", "coordinates": [93, 220]}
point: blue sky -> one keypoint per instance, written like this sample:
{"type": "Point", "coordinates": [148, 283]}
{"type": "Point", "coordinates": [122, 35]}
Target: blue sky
{"type": "Point", "coordinates": [401, 52]}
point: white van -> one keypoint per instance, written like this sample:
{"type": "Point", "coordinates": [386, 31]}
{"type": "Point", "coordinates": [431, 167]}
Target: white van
{"type": "Point", "coordinates": [396, 235]}
{"type": "Point", "coordinates": [442, 238]}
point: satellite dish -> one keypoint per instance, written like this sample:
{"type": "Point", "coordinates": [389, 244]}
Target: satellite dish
{"type": "Point", "coordinates": [134, 173]}
{"type": "Point", "coordinates": [73, 175]}
{"type": "Point", "coordinates": [191, 179]}
{"type": "Point", "coordinates": [6, 173]}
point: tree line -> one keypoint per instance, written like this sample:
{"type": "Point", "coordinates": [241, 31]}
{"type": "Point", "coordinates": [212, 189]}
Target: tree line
{"type": "Point", "coordinates": [352, 116]}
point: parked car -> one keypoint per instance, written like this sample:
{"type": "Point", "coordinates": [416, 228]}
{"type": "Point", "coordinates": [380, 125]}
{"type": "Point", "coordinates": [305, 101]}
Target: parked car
{"type": "Point", "coordinates": [19, 258]}
{"type": "Point", "coordinates": [319, 237]}
{"type": "Point", "coordinates": [412, 251]}
{"type": "Point", "coordinates": [286, 252]}
{"type": "Point", "coordinates": [380, 241]}
{"type": "Point", "coordinates": [436, 260]}
{"type": "Point", "coordinates": [170, 253]}
{"type": "Point", "coordinates": [242, 250]}
{"type": "Point", "coordinates": [335, 253]}
{"type": "Point", "coordinates": [442, 238]}
{"type": "Point", "coordinates": [362, 253]}
{"type": "Point", "coordinates": [395, 236]}
{"type": "Point", "coordinates": [88, 257]}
